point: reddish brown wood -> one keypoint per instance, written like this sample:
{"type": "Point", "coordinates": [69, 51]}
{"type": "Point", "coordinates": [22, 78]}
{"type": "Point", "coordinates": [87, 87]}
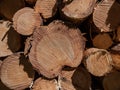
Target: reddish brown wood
{"type": "Point", "coordinates": [98, 61]}
{"type": "Point", "coordinates": [102, 41]}
{"type": "Point", "coordinates": [55, 46]}
{"type": "Point", "coordinates": [26, 20]}
{"type": "Point", "coordinates": [103, 15]}
{"type": "Point", "coordinates": [112, 81]}
{"type": "Point", "coordinates": [16, 72]}
{"type": "Point", "coordinates": [9, 7]}
{"type": "Point", "coordinates": [47, 8]}
{"type": "Point", "coordinates": [78, 10]}
{"type": "Point", "coordinates": [8, 35]}
{"type": "Point", "coordinates": [77, 79]}
{"type": "Point", "coordinates": [43, 84]}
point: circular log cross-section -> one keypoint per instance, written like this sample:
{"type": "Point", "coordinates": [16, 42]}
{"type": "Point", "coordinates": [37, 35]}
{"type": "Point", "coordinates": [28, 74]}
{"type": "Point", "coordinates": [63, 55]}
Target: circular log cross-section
{"type": "Point", "coordinates": [102, 41]}
{"type": "Point", "coordinates": [16, 72]}
{"type": "Point", "coordinates": [77, 79]}
{"type": "Point", "coordinates": [55, 46]}
{"type": "Point", "coordinates": [9, 7]}
{"type": "Point", "coordinates": [47, 8]}
{"type": "Point", "coordinates": [78, 10]}
{"type": "Point", "coordinates": [42, 84]}
{"type": "Point", "coordinates": [26, 20]}
{"type": "Point", "coordinates": [106, 16]}
{"type": "Point", "coordinates": [98, 61]}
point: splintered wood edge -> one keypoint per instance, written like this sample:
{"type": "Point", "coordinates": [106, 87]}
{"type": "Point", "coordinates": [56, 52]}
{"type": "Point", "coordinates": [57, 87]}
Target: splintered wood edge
{"type": "Point", "coordinates": [112, 81]}
{"type": "Point", "coordinates": [43, 84]}
{"type": "Point", "coordinates": [47, 8]}
{"type": "Point", "coordinates": [103, 13]}
{"type": "Point", "coordinates": [28, 73]}
{"type": "Point", "coordinates": [96, 67]}
{"type": "Point", "coordinates": [73, 12]}
{"type": "Point", "coordinates": [78, 78]}
{"type": "Point", "coordinates": [72, 35]}
{"type": "Point", "coordinates": [18, 15]}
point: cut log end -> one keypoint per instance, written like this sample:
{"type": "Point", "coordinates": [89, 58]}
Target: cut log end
{"type": "Point", "coordinates": [47, 8]}
{"type": "Point", "coordinates": [98, 61]}
{"type": "Point", "coordinates": [78, 10]}
{"type": "Point", "coordinates": [104, 13]}
{"type": "Point", "coordinates": [102, 41]}
{"type": "Point", "coordinates": [56, 43]}
{"type": "Point", "coordinates": [26, 20]}
{"type": "Point", "coordinates": [16, 72]}
{"type": "Point", "coordinates": [42, 84]}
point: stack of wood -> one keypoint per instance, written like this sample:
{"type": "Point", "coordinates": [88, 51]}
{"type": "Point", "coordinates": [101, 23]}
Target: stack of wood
{"type": "Point", "coordinates": [59, 44]}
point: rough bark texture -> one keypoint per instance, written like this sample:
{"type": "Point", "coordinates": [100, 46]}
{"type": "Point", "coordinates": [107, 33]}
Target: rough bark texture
{"type": "Point", "coordinates": [112, 81]}
{"type": "Point", "coordinates": [8, 35]}
{"type": "Point", "coordinates": [43, 84]}
{"type": "Point", "coordinates": [9, 7]}
{"type": "Point", "coordinates": [78, 10]}
{"type": "Point", "coordinates": [98, 61]}
{"type": "Point", "coordinates": [55, 46]}
{"type": "Point", "coordinates": [47, 8]}
{"type": "Point", "coordinates": [102, 41]}
{"type": "Point", "coordinates": [77, 79]}
{"type": "Point", "coordinates": [26, 20]}
{"type": "Point", "coordinates": [16, 72]}
{"type": "Point", "coordinates": [116, 60]}
{"type": "Point", "coordinates": [105, 15]}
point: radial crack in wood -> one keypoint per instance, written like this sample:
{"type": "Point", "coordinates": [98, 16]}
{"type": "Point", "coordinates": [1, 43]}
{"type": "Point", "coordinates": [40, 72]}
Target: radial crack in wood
{"type": "Point", "coordinates": [26, 20]}
{"type": "Point", "coordinates": [16, 72]}
{"type": "Point", "coordinates": [55, 46]}
{"type": "Point", "coordinates": [98, 61]}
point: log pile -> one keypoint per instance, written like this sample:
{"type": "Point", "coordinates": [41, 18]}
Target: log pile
{"type": "Point", "coordinates": [59, 44]}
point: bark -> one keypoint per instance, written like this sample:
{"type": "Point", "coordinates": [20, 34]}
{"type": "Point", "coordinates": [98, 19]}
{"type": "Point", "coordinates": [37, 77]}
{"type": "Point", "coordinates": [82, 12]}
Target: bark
{"type": "Point", "coordinates": [105, 15]}
{"type": "Point", "coordinates": [76, 79]}
{"type": "Point", "coordinates": [10, 40]}
{"type": "Point", "coordinates": [98, 61]}
{"type": "Point", "coordinates": [55, 46]}
{"type": "Point", "coordinates": [26, 20]}
{"type": "Point", "coordinates": [47, 8]}
{"type": "Point", "coordinates": [102, 41]}
{"type": "Point", "coordinates": [77, 10]}
{"type": "Point", "coordinates": [43, 84]}
{"type": "Point", "coordinates": [9, 7]}
{"type": "Point", "coordinates": [16, 72]}
{"type": "Point", "coordinates": [112, 81]}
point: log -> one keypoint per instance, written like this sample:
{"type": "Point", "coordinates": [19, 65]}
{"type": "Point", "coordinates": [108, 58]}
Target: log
{"type": "Point", "coordinates": [116, 60]}
{"type": "Point", "coordinates": [8, 35]}
{"type": "Point", "coordinates": [16, 72]}
{"type": "Point", "coordinates": [112, 81]}
{"type": "Point", "coordinates": [118, 34]}
{"type": "Point", "coordinates": [102, 41]}
{"type": "Point", "coordinates": [103, 15]}
{"type": "Point", "coordinates": [26, 20]}
{"type": "Point", "coordinates": [9, 7]}
{"type": "Point", "coordinates": [46, 8]}
{"type": "Point", "coordinates": [43, 84]}
{"type": "Point", "coordinates": [76, 79]}
{"type": "Point", "coordinates": [54, 46]}
{"type": "Point", "coordinates": [98, 61]}
{"type": "Point", "coordinates": [77, 10]}
{"type": "Point", "coordinates": [116, 48]}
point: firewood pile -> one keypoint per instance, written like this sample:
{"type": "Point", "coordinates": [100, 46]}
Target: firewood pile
{"type": "Point", "coordinates": [59, 45]}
